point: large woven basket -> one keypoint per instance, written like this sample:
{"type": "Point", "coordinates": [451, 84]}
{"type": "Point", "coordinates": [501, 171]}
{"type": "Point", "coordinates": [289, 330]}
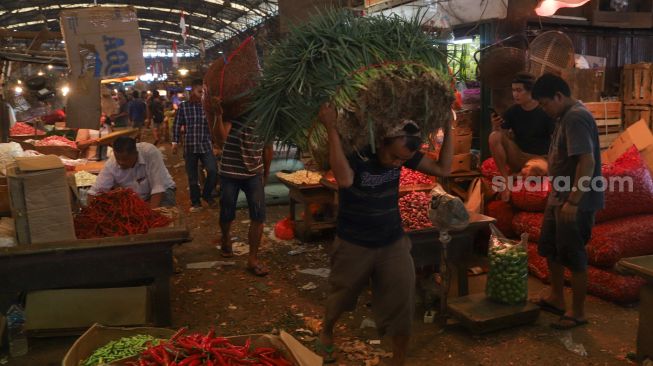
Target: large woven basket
{"type": "Point", "coordinates": [551, 52]}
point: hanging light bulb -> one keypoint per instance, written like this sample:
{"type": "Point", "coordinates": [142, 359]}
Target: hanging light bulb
{"type": "Point", "coordinates": [18, 89]}
{"type": "Point", "coordinates": [547, 8]}
{"type": "Point", "coordinates": [183, 72]}
{"type": "Point", "coordinates": [40, 73]}
{"type": "Point", "coordinates": [65, 90]}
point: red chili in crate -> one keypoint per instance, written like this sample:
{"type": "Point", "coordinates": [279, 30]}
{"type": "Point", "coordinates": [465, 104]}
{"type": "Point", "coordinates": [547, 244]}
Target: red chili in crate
{"type": "Point", "coordinates": [117, 213]}
{"type": "Point", "coordinates": [22, 129]}
{"type": "Point", "coordinates": [56, 141]}
{"type": "Point", "coordinates": [198, 349]}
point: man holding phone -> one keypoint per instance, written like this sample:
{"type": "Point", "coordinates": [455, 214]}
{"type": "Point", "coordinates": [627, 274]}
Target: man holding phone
{"type": "Point", "coordinates": [521, 137]}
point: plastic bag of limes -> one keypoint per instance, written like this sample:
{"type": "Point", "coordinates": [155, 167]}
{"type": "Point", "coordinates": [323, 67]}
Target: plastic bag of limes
{"type": "Point", "coordinates": [507, 280]}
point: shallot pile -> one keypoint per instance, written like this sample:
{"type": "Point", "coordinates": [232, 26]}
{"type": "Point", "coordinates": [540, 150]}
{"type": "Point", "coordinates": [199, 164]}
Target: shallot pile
{"type": "Point", "coordinates": [414, 209]}
{"type": "Point", "coordinates": [411, 177]}
{"type": "Point", "coordinates": [22, 129]}
{"type": "Point", "coordinates": [56, 141]}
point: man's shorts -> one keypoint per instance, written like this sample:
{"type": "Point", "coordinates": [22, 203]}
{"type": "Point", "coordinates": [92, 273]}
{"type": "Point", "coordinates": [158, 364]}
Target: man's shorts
{"type": "Point", "coordinates": [392, 274]}
{"type": "Point", "coordinates": [254, 192]}
{"type": "Point", "coordinates": [565, 243]}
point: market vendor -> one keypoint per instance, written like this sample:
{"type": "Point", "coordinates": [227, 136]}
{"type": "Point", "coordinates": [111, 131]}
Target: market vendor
{"type": "Point", "coordinates": [138, 166]}
{"type": "Point", "coordinates": [87, 141]}
{"type": "Point", "coordinates": [371, 243]}
{"type": "Point", "coordinates": [521, 137]}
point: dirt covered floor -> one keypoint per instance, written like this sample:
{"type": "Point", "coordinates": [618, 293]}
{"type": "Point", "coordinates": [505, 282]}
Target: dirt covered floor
{"type": "Point", "coordinates": [235, 302]}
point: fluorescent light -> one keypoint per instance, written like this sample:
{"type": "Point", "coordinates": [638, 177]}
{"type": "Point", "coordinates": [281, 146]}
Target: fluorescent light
{"type": "Point", "coordinates": [463, 41]}
{"type": "Point", "coordinates": [549, 7]}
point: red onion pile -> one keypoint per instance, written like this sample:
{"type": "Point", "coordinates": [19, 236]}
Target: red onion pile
{"type": "Point", "coordinates": [22, 128]}
{"type": "Point", "coordinates": [411, 177]}
{"type": "Point", "coordinates": [414, 209]}
{"type": "Point", "coordinates": [56, 141]}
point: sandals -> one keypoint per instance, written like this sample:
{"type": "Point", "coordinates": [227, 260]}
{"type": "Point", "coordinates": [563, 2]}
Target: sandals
{"type": "Point", "coordinates": [326, 352]}
{"type": "Point", "coordinates": [226, 253]}
{"type": "Point", "coordinates": [567, 322]}
{"type": "Point", "coordinates": [258, 270]}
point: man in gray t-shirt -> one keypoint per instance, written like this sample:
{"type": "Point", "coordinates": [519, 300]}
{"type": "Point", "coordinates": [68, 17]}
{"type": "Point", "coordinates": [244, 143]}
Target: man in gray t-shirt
{"type": "Point", "coordinates": [575, 169]}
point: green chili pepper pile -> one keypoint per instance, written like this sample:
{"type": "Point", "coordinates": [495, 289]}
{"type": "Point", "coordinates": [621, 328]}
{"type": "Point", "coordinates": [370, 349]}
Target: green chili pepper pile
{"type": "Point", "coordinates": [122, 348]}
{"type": "Point", "coordinates": [207, 350]}
{"type": "Point", "coordinates": [117, 213]}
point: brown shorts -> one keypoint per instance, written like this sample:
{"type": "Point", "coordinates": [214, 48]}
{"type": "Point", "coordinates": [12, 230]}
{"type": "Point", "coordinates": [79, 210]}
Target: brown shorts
{"type": "Point", "coordinates": [392, 274]}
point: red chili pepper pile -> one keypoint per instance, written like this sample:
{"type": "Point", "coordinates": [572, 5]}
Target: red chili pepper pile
{"type": "Point", "coordinates": [414, 209]}
{"type": "Point", "coordinates": [56, 141]}
{"type": "Point", "coordinates": [117, 213]}
{"type": "Point", "coordinates": [207, 350]}
{"type": "Point", "coordinates": [22, 128]}
{"type": "Point", "coordinates": [411, 177]}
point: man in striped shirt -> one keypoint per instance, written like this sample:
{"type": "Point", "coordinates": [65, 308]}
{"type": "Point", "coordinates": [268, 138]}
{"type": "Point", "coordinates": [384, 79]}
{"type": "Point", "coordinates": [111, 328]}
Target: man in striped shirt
{"type": "Point", "coordinates": [197, 146]}
{"type": "Point", "coordinates": [245, 165]}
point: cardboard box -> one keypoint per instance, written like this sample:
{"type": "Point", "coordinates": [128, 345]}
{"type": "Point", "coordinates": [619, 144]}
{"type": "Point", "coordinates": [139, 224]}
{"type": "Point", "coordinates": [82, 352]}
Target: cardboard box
{"type": "Point", "coordinates": [98, 335]}
{"type": "Point", "coordinates": [40, 200]}
{"type": "Point", "coordinates": [585, 84]}
{"type": "Point", "coordinates": [462, 143]}
{"type": "Point", "coordinates": [461, 163]}
{"type": "Point", "coordinates": [74, 309]}
{"type": "Point", "coordinates": [637, 134]}
{"type": "Point", "coordinates": [105, 39]}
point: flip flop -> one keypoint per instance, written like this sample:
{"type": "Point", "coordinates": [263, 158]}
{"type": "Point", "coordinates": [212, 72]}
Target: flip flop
{"type": "Point", "coordinates": [548, 307]}
{"type": "Point", "coordinates": [258, 270]}
{"type": "Point", "coordinates": [226, 253]}
{"type": "Point", "coordinates": [573, 323]}
{"type": "Point", "coordinates": [326, 352]}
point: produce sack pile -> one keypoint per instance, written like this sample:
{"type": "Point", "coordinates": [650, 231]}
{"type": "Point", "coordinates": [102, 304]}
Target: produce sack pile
{"type": "Point", "coordinates": [622, 238]}
{"type": "Point", "coordinates": [503, 213]}
{"type": "Point", "coordinates": [528, 222]}
{"type": "Point", "coordinates": [531, 195]}
{"type": "Point", "coordinates": [119, 349]}
{"type": "Point", "coordinates": [377, 71]}
{"type": "Point", "coordinates": [600, 282]}
{"type": "Point", "coordinates": [414, 210]}
{"type": "Point", "coordinates": [23, 129]}
{"type": "Point", "coordinates": [209, 349]}
{"type": "Point", "coordinates": [623, 202]}
{"type": "Point", "coordinates": [230, 79]}
{"type": "Point", "coordinates": [56, 141]}
{"type": "Point", "coordinates": [117, 213]}
{"type": "Point", "coordinates": [507, 279]}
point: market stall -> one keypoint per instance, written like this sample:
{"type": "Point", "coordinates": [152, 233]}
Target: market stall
{"type": "Point", "coordinates": [134, 260]}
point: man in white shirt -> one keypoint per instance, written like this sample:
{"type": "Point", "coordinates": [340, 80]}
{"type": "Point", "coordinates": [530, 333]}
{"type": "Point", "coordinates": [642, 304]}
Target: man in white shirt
{"type": "Point", "coordinates": [139, 167]}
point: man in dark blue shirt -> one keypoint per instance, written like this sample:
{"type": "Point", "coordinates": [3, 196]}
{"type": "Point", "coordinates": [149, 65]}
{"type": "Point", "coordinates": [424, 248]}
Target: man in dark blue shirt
{"type": "Point", "coordinates": [575, 169]}
{"type": "Point", "coordinates": [370, 242]}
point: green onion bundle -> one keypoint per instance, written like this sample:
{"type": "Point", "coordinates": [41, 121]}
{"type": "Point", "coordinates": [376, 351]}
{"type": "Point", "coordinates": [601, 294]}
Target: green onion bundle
{"type": "Point", "coordinates": [376, 70]}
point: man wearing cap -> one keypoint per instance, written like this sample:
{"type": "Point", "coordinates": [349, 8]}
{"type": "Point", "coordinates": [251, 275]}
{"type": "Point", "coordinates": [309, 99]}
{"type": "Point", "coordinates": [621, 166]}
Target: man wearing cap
{"type": "Point", "coordinates": [370, 244]}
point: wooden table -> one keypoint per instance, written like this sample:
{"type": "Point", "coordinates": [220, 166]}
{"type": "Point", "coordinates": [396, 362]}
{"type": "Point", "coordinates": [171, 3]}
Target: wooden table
{"type": "Point", "coordinates": [643, 267]}
{"type": "Point", "coordinates": [133, 260]}
{"type": "Point", "coordinates": [308, 194]}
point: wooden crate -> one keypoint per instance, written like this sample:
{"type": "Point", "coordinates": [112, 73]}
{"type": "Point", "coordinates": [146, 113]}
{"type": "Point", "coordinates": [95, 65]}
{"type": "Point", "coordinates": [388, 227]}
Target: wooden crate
{"type": "Point", "coordinates": [604, 110]}
{"type": "Point", "coordinates": [633, 113]}
{"type": "Point", "coordinates": [605, 140]}
{"type": "Point", "coordinates": [637, 84]}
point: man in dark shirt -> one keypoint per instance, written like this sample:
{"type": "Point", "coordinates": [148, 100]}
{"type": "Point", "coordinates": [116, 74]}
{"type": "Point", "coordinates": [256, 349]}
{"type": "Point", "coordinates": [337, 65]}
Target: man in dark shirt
{"type": "Point", "coordinates": [137, 111]}
{"type": "Point", "coordinates": [575, 168]}
{"type": "Point", "coordinates": [521, 137]}
{"type": "Point", "coordinates": [370, 242]}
